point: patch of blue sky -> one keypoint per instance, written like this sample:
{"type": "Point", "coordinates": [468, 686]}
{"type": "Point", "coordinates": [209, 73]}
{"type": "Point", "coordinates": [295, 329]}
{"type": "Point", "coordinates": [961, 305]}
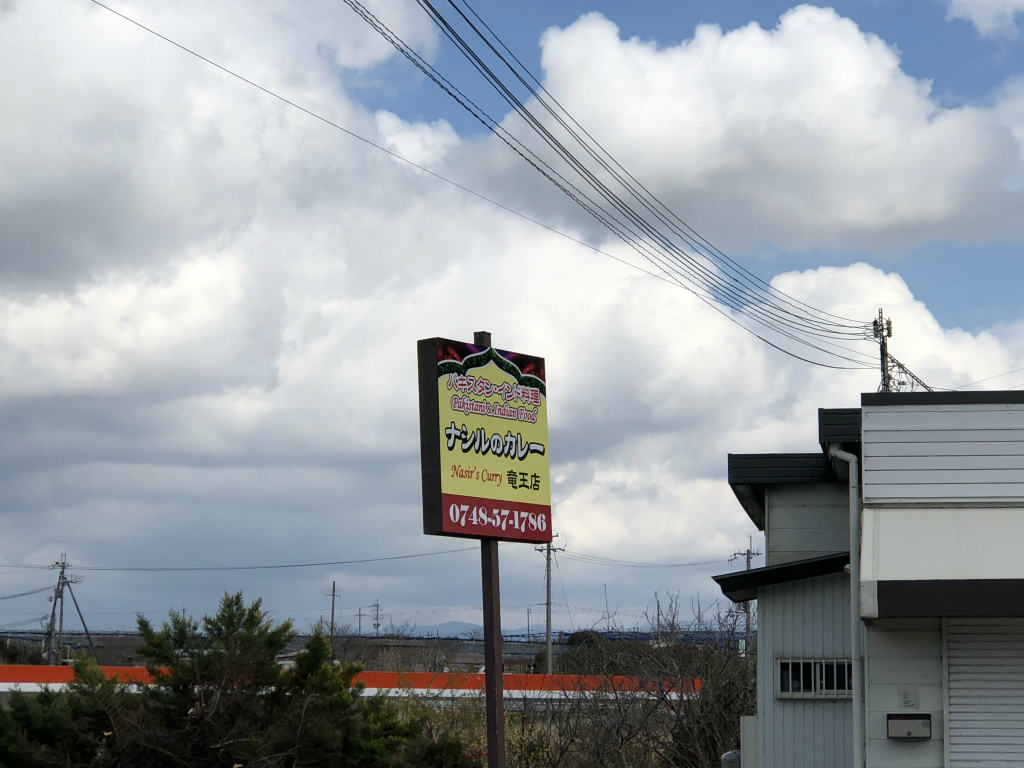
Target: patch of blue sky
{"type": "Point", "coordinates": [972, 286]}
{"type": "Point", "coordinates": [962, 66]}
{"type": "Point", "coordinates": [954, 279]}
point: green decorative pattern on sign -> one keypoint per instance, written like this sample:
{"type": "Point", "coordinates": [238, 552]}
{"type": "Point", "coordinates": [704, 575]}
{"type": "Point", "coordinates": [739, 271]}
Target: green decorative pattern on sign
{"type": "Point", "coordinates": [481, 359]}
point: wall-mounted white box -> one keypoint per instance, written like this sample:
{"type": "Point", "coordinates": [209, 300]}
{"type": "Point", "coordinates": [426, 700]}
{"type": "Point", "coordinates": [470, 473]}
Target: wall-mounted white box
{"type": "Point", "coordinates": [902, 726]}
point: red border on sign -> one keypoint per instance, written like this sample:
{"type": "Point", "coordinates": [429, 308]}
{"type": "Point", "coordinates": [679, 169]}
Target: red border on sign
{"type": "Point", "coordinates": [510, 533]}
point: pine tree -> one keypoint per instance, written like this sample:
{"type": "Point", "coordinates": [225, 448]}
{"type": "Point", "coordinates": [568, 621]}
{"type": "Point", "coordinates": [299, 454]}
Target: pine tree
{"type": "Point", "coordinates": [220, 699]}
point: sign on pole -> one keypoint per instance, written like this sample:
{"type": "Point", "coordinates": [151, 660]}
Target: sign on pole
{"type": "Point", "coordinates": [484, 442]}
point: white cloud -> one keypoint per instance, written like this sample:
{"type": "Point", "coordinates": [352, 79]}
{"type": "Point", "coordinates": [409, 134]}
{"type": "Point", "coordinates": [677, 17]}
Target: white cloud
{"type": "Point", "coordinates": [104, 335]}
{"type": "Point", "coordinates": [806, 135]}
{"type": "Point", "coordinates": [207, 331]}
{"type": "Point", "coordinates": [141, 151]}
{"type": "Point", "coordinates": [1010, 107]}
{"type": "Point", "coordinates": [421, 143]}
{"type": "Point", "coordinates": [992, 18]}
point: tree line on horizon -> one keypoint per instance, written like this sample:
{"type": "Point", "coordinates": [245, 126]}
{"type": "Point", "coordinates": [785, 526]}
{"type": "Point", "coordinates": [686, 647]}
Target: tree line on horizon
{"type": "Point", "coordinates": [221, 699]}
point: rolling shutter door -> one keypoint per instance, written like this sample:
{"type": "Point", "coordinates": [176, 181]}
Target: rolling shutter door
{"type": "Point", "coordinates": [986, 693]}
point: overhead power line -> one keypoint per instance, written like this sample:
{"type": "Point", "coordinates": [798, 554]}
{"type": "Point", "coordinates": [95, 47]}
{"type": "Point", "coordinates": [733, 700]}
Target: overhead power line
{"type": "Point", "coordinates": [611, 561]}
{"type": "Point", "coordinates": [990, 378]}
{"type": "Point", "coordinates": [700, 269]}
{"type": "Point", "coordinates": [374, 145]}
{"type": "Point", "coordinates": [30, 592]}
{"type": "Point", "coordinates": [24, 622]}
{"type": "Point", "coordinates": [36, 566]}
{"type": "Point", "coordinates": [605, 190]}
{"type": "Point", "coordinates": [275, 566]}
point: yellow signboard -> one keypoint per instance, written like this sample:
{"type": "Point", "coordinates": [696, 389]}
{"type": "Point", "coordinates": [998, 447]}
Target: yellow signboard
{"type": "Point", "coordinates": [484, 438]}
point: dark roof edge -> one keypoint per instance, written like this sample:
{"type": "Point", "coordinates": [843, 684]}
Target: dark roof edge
{"type": "Point", "coordinates": [743, 585]}
{"type": "Point", "coordinates": [750, 474]}
{"type": "Point", "coordinates": [985, 397]}
{"type": "Point", "coordinates": [782, 456]}
{"type": "Point", "coordinates": [778, 468]}
{"type": "Point", "coordinates": [751, 498]}
{"type": "Point", "coordinates": [838, 425]}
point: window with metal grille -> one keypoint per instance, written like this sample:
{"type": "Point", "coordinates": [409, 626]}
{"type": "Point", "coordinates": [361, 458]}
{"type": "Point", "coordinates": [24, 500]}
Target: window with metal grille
{"type": "Point", "coordinates": [814, 678]}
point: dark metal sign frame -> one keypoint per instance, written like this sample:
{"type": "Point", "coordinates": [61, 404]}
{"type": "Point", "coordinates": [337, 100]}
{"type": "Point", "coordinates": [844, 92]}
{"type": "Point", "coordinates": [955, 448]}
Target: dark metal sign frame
{"type": "Point", "coordinates": [483, 442]}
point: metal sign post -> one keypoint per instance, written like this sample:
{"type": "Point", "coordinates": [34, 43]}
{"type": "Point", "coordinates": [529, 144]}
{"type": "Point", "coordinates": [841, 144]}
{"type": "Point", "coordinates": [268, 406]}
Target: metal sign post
{"type": "Point", "coordinates": [494, 697]}
{"type": "Point", "coordinates": [486, 475]}
{"type": "Point", "coordinates": [493, 685]}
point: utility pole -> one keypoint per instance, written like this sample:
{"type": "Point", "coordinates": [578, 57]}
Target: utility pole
{"type": "Point", "coordinates": [657, 613]}
{"type": "Point", "coordinates": [896, 377]}
{"type": "Point", "coordinates": [359, 615]}
{"type": "Point", "coordinates": [333, 593]}
{"type": "Point", "coordinates": [527, 623]}
{"type": "Point", "coordinates": [376, 618]}
{"type": "Point", "coordinates": [881, 329]}
{"type": "Point", "coordinates": [50, 624]}
{"type": "Point", "coordinates": [607, 613]}
{"type": "Point", "coordinates": [748, 555]}
{"type": "Point", "coordinates": [63, 582]}
{"type": "Point", "coordinates": [60, 630]}
{"type": "Point", "coordinates": [547, 549]}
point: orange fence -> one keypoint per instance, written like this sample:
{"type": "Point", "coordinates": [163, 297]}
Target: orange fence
{"type": "Point", "coordinates": [42, 675]}
{"type": "Point", "coordinates": [31, 676]}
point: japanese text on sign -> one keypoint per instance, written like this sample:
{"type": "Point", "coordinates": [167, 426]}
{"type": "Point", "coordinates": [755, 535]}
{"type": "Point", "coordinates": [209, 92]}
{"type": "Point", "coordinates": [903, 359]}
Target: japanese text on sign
{"type": "Point", "coordinates": [489, 442]}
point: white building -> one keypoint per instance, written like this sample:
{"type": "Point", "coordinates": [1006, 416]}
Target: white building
{"type": "Point", "coordinates": [928, 671]}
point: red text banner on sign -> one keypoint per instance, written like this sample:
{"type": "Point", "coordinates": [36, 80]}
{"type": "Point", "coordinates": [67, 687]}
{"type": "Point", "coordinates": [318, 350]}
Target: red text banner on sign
{"type": "Point", "coordinates": [469, 516]}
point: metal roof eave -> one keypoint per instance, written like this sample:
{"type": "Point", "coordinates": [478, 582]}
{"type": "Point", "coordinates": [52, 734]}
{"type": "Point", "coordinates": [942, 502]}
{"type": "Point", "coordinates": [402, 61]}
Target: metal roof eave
{"type": "Point", "coordinates": [751, 473]}
{"type": "Point", "coordinates": [743, 585]}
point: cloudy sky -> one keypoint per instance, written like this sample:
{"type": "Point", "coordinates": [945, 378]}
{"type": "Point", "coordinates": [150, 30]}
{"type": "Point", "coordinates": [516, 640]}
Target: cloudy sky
{"type": "Point", "coordinates": [210, 299]}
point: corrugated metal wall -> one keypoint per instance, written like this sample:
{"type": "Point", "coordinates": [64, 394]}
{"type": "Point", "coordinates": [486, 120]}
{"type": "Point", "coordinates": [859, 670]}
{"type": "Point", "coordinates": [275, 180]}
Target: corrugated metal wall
{"type": "Point", "coordinates": [803, 619]}
{"type": "Point", "coordinates": [956, 453]}
{"type": "Point", "coordinates": [986, 692]}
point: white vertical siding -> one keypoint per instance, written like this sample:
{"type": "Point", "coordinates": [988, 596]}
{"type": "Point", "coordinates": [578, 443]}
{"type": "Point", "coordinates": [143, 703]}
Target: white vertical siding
{"type": "Point", "coordinates": [804, 619]}
{"type": "Point", "coordinates": [949, 453]}
{"type": "Point", "coordinates": [805, 521]}
{"type": "Point", "coordinates": [903, 675]}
